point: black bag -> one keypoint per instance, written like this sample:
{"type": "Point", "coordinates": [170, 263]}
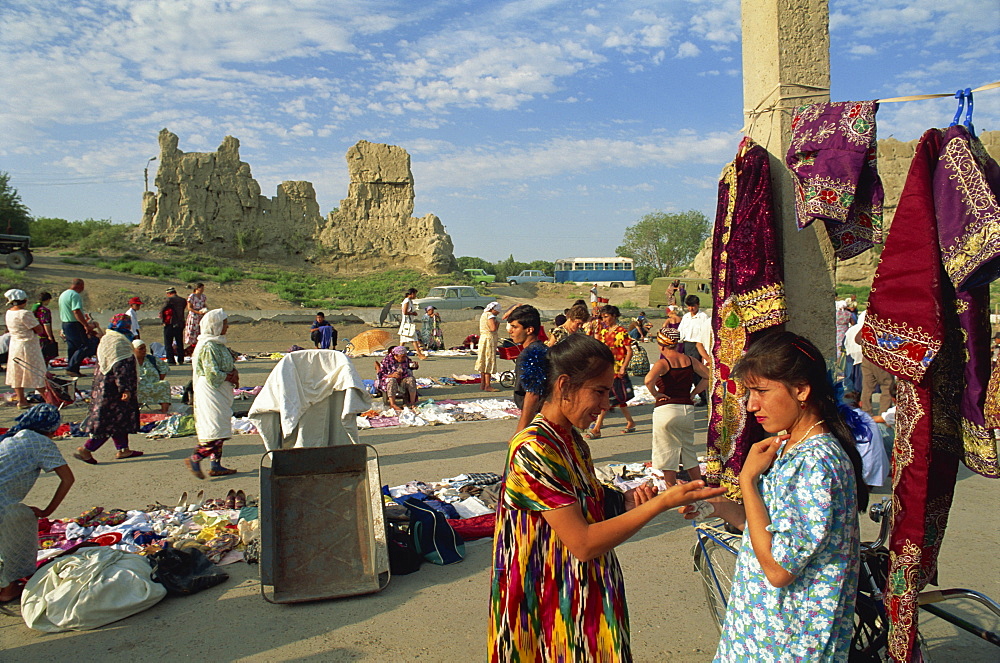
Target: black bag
{"type": "Point", "coordinates": [184, 572]}
{"type": "Point", "coordinates": [403, 555]}
{"type": "Point", "coordinates": [433, 537]}
{"type": "Point", "coordinates": [50, 349]}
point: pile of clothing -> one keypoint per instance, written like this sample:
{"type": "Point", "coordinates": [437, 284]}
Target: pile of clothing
{"type": "Point", "coordinates": [446, 411]}
{"type": "Point", "coordinates": [468, 501]}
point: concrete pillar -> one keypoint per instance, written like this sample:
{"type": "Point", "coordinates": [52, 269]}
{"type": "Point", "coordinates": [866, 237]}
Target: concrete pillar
{"type": "Point", "coordinates": [786, 63]}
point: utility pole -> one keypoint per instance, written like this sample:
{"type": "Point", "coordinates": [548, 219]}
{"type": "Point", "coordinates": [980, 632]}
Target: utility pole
{"type": "Point", "coordinates": [145, 173]}
{"type": "Point", "coordinates": [786, 63]}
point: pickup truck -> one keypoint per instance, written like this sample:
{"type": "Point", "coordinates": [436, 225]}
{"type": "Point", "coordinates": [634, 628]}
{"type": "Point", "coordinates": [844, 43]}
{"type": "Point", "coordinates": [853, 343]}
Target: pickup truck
{"type": "Point", "coordinates": [531, 276]}
{"type": "Point", "coordinates": [479, 276]}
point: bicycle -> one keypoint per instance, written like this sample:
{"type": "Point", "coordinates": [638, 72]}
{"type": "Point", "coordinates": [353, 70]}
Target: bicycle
{"type": "Point", "coordinates": [717, 546]}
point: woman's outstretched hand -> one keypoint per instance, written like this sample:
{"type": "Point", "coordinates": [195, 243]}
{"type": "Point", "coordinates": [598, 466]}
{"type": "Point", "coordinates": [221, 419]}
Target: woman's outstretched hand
{"type": "Point", "coordinates": [686, 493]}
{"type": "Point", "coordinates": [639, 495]}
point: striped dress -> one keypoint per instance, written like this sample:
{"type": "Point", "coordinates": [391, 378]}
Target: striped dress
{"type": "Point", "coordinates": [545, 604]}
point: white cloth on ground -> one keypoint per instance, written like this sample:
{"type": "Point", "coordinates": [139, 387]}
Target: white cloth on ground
{"type": "Point", "coordinates": [87, 589]}
{"type": "Point", "coordinates": [310, 399]}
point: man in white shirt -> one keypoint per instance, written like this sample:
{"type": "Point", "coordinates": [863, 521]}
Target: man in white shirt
{"type": "Point", "coordinates": [696, 334]}
{"type": "Point", "coordinates": [134, 305]}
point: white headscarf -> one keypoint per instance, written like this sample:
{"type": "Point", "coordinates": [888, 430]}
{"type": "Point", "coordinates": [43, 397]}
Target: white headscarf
{"type": "Point", "coordinates": [15, 295]}
{"type": "Point", "coordinates": [211, 332]}
{"type": "Point", "coordinates": [112, 349]}
{"type": "Point", "coordinates": [493, 306]}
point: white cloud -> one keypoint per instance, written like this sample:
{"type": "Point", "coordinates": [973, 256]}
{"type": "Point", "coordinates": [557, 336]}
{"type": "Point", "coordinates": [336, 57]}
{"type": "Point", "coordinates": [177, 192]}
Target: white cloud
{"type": "Point", "coordinates": [688, 50]}
{"type": "Point", "coordinates": [559, 157]}
{"type": "Point", "coordinates": [862, 49]}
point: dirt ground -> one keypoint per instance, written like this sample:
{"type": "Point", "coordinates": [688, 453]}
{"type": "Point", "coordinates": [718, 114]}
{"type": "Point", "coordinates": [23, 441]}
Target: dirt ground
{"type": "Point", "coordinates": [437, 613]}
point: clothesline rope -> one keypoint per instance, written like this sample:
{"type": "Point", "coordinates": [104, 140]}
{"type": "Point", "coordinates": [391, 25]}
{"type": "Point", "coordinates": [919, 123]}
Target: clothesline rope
{"type": "Point", "coordinates": [918, 97]}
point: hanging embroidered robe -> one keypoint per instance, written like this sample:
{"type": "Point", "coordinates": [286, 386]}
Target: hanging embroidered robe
{"type": "Point", "coordinates": [748, 297]}
{"type": "Point", "coordinates": [925, 324]}
{"type": "Point", "coordinates": [832, 157]}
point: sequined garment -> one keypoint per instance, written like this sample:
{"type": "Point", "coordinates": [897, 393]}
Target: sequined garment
{"type": "Point", "coordinates": [926, 324]}
{"type": "Point", "coordinates": [747, 297]}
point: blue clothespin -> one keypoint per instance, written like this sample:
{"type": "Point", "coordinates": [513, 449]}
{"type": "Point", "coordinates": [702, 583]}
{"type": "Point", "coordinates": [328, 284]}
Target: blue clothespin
{"type": "Point", "coordinates": [968, 111]}
{"type": "Point", "coordinates": [960, 95]}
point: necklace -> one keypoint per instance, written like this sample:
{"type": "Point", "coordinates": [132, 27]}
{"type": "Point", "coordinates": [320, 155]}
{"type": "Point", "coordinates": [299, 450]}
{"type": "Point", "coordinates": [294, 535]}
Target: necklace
{"type": "Point", "coordinates": [809, 430]}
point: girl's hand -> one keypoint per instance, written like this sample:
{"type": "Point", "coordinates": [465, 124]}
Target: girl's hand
{"type": "Point", "coordinates": [690, 511]}
{"type": "Point", "coordinates": [639, 495]}
{"type": "Point", "coordinates": [760, 457]}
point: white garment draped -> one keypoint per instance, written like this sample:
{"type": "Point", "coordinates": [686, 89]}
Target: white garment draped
{"type": "Point", "coordinates": [310, 399]}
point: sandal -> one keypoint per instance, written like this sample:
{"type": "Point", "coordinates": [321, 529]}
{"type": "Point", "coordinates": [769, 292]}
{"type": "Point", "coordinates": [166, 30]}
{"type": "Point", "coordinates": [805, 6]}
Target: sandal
{"type": "Point", "coordinates": [241, 499]}
{"type": "Point", "coordinates": [131, 454]}
{"type": "Point", "coordinates": [592, 435]}
{"type": "Point", "coordinates": [223, 472]}
{"type": "Point", "coordinates": [88, 461]}
{"type": "Point", "coordinates": [628, 429]}
{"type": "Point", "coordinates": [231, 499]}
{"type": "Point", "coordinates": [194, 467]}
{"type": "Point", "coordinates": [183, 500]}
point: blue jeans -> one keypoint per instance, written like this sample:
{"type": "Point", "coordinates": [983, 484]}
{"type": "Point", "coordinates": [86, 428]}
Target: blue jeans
{"type": "Point", "coordinates": [77, 347]}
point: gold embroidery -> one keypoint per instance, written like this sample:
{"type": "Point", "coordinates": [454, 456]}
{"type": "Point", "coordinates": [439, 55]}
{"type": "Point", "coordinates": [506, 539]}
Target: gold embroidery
{"type": "Point", "coordinates": [980, 449]}
{"type": "Point", "coordinates": [991, 409]}
{"type": "Point", "coordinates": [901, 599]}
{"type": "Point", "coordinates": [762, 308]}
{"type": "Point", "coordinates": [908, 412]}
{"type": "Point", "coordinates": [898, 347]}
{"type": "Point", "coordinates": [981, 241]}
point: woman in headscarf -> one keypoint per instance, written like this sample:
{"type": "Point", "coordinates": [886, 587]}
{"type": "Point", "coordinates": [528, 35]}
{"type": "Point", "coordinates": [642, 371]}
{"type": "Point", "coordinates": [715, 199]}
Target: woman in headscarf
{"type": "Point", "coordinates": [395, 374]}
{"type": "Point", "coordinates": [114, 408]}
{"type": "Point", "coordinates": [153, 386]}
{"type": "Point", "coordinates": [197, 306]}
{"type": "Point", "coordinates": [24, 329]}
{"type": "Point", "coordinates": [25, 450]}
{"type": "Point", "coordinates": [215, 376]}
{"type": "Point", "coordinates": [486, 363]}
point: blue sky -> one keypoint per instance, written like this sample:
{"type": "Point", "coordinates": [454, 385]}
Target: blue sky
{"type": "Point", "coordinates": [538, 128]}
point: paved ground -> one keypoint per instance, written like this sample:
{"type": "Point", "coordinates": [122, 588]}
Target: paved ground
{"type": "Point", "coordinates": [438, 613]}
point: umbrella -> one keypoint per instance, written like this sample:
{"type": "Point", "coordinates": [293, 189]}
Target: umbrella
{"type": "Point", "coordinates": [367, 342]}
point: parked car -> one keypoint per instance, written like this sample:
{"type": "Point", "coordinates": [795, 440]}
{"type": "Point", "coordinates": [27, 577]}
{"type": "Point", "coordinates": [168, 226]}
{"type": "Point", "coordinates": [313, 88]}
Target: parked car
{"type": "Point", "coordinates": [531, 276]}
{"type": "Point", "coordinates": [453, 297]}
{"type": "Point", "coordinates": [479, 276]}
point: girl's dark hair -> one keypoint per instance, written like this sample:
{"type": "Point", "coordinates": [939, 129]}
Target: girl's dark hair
{"type": "Point", "coordinates": [578, 356]}
{"type": "Point", "coordinates": [793, 360]}
{"type": "Point", "coordinates": [612, 310]}
{"type": "Point", "coordinates": [411, 291]}
{"type": "Point", "coordinates": [44, 295]}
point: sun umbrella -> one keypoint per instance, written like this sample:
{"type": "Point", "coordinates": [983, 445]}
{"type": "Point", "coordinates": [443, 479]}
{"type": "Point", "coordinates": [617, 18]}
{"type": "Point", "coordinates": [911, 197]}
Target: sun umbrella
{"type": "Point", "coordinates": [367, 342]}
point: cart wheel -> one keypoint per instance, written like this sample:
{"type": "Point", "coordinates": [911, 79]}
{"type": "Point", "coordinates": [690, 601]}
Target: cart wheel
{"type": "Point", "coordinates": [31, 257]}
{"type": "Point", "coordinates": [507, 379]}
{"type": "Point", "coordinates": [18, 259]}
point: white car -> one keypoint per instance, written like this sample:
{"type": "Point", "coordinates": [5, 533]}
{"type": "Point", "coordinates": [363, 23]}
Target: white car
{"type": "Point", "coordinates": [530, 276]}
{"type": "Point", "coordinates": [452, 297]}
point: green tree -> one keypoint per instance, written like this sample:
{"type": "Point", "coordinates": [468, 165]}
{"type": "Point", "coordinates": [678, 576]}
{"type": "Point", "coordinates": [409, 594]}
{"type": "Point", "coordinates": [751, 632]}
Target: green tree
{"type": "Point", "coordinates": [470, 262]}
{"type": "Point", "coordinates": [14, 215]}
{"type": "Point", "coordinates": [661, 243]}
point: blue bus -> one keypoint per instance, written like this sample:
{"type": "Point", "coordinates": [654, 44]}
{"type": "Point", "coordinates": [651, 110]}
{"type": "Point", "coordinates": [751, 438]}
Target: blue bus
{"type": "Point", "coordinates": [614, 272]}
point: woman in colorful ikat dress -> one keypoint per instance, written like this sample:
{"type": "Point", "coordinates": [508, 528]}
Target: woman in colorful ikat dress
{"type": "Point", "coordinates": [557, 589]}
{"type": "Point", "coordinates": [797, 572]}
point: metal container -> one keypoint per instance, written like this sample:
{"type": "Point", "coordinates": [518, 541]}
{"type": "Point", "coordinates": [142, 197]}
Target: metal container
{"type": "Point", "coordinates": [322, 525]}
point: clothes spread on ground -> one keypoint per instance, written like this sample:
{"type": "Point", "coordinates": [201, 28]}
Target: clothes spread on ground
{"type": "Point", "coordinates": [927, 323]}
{"type": "Point", "coordinates": [748, 297]}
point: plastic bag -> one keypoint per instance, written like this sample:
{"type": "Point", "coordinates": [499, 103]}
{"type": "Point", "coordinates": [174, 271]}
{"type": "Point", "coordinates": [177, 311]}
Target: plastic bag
{"type": "Point", "coordinates": [185, 572]}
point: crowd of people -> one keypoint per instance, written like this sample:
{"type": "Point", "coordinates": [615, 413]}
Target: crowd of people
{"type": "Point", "coordinates": [557, 590]}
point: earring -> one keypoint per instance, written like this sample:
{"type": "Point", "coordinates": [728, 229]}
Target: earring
{"type": "Point", "coordinates": [802, 405]}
